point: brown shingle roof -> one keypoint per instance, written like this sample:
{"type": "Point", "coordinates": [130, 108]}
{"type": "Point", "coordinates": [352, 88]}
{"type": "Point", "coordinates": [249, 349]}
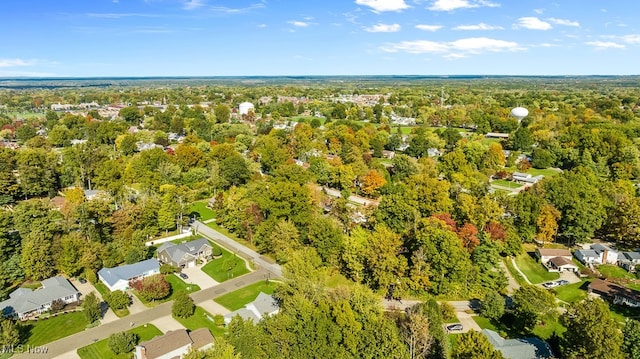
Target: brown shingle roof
{"type": "Point", "coordinates": [561, 261]}
{"type": "Point", "coordinates": [201, 337]}
{"type": "Point", "coordinates": [613, 290]}
{"type": "Point", "coordinates": [164, 344]}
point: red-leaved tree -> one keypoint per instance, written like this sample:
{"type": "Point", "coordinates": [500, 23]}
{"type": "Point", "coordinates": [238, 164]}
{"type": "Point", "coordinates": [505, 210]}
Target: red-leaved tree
{"type": "Point", "coordinates": [151, 288]}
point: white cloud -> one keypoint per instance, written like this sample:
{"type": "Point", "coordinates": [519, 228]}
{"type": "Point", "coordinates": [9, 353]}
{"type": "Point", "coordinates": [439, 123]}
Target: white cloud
{"type": "Point", "coordinates": [601, 45]}
{"type": "Point", "coordinates": [262, 26]}
{"type": "Point", "coordinates": [384, 5]}
{"type": "Point", "coordinates": [480, 26]}
{"type": "Point", "coordinates": [631, 39]}
{"type": "Point", "coordinates": [425, 27]}
{"type": "Point", "coordinates": [239, 10]}
{"type": "Point", "coordinates": [538, 11]}
{"type": "Point", "coordinates": [384, 28]}
{"type": "Point", "coordinates": [16, 62]}
{"type": "Point", "coordinates": [297, 23]}
{"type": "Point", "coordinates": [417, 47]}
{"type": "Point", "coordinates": [193, 4]}
{"type": "Point", "coordinates": [454, 56]}
{"type": "Point", "coordinates": [563, 22]}
{"type": "Point", "coordinates": [450, 5]}
{"type": "Point", "coordinates": [480, 44]}
{"type": "Point", "coordinates": [453, 49]}
{"type": "Point", "coordinates": [532, 23]}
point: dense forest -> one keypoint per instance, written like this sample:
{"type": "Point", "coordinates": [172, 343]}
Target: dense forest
{"type": "Point", "coordinates": [435, 227]}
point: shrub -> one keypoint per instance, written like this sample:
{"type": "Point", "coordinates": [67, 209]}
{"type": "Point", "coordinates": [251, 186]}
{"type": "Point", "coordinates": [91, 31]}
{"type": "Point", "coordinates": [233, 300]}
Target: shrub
{"type": "Point", "coordinates": [215, 251]}
{"type": "Point", "coordinates": [152, 288]}
{"type": "Point", "coordinates": [91, 307]}
{"type": "Point", "coordinates": [448, 311]}
{"type": "Point", "coordinates": [57, 305]}
{"type": "Point", "coordinates": [122, 342]}
{"type": "Point", "coordinates": [117, 300]}
{"type": "Point", "coordinates": [167, 269]}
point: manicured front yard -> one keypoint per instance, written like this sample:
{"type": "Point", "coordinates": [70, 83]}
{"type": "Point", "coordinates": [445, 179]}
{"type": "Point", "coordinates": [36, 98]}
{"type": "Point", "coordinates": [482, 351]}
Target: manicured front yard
{"type": "Point", "coordinates": [239, 298]}
{"type": "Point", "coordinates": [100, 349]}
{"type": "Point", "coordinates": [227, 266]}
{"type": "Point", "coordinates": [201, 210]}
{"type": "Point", "coordinates": [547, 172]}
{"type": "Point", "coordinates": [535, 271]}
{"type": "Point", "coordinates": [505, 183]}
{"type": "Point", "coordinates": [47, 330]}
{"type": "Point", "coordinates": [613, 271]}
{"type": "Point", "coordinates": [202, 319]}
{"type": "Point", "coordinates": [177, 285]}
{"type": "Point", "coordinates": [101, 288]}
{"type": "Point", "coordinates": [572, 293]}
{"type": "Point", "coordinates": [484, 323]}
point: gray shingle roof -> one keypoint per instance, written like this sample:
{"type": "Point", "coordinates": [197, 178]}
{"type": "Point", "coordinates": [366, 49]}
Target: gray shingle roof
{"type": "Point", "coordinates": [128, 271]}
{"type": "Point", "coordinates": [522, 348]}
{"type": "Point", "coordinates": [177, 251]}
{"type": "Point", "coordinates": [265, 303]}
{"type": "Point", "coordinates": [24, 300]}
{"type": "Point", "coordinates": [631, 255]}
{"type": "Point", "coordinates": [588, 253]}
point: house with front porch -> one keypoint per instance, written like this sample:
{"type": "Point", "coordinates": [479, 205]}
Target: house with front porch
{"type": "Point", "coordinates": [25, 303]}
{"type": "Point", "coordinates": [185, 255]}
{"type": "Point", "coordinates": [615, 293]}
{"type": "Point", "coordinates": [118, 278]}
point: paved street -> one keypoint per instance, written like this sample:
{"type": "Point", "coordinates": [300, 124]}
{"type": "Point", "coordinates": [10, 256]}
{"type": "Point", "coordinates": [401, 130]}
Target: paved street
{"type": "Point", "coordinates": [238, 248]}
{"type": "Point", "coordinates": [62, 346]}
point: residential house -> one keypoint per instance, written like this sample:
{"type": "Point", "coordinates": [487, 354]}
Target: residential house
{"type": "Point", "coordinates": [526, 178]}
{"type": "Point", "coordinates": [615, 293]}
{"type": "Point", "coordinates": [433, 152]}
{"type": "Point", "coordinates": [263, 305]}
{"type": "Point", "coordinates": [26, 303]}
{"type": "Point", "coordinates": [521, 348]}
{"type": "Point", "coordinates": [561, 264]}
{"type": "Point", "coordinates": [91, 194]}
{"type": "Point", "coordinates": [184, 255]}
{"type": "Point", "coordinates": [546, 254]}
{"type": "Point", "coordinates": [174, 344]}
{"type": "Point", "coordinates": [588, 256]}
{"type": "Point", "coordinates": [607, 255]}
{"type": "Point", "coordinates": [629, 260]}
{"type": "Point", "coordinates": [118, 278]}
{"type": "Point", "coordinates": [503, 136]}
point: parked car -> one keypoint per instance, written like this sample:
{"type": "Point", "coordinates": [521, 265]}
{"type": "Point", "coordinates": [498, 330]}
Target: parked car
{"type": "Point", "coordinates": [454, 327]}
{"type": "Point", "coordinates": [550, 285]}
{"type": "Point", "coordinates": [563, 282]}
{"type": "Point", "coordinates": [82, 280]}
{"type": "Point", "coordinates": [183, 276]}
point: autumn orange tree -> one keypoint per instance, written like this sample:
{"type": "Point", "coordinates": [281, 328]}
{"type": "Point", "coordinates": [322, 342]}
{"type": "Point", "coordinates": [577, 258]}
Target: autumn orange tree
{"type": "Point", "coordinates": [372, 181]}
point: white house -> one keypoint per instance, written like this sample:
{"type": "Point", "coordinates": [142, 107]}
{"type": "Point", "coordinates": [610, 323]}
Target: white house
{"type": "Point", "coordinates": [561, 264]}
{"type": "Point", "coordinates": [26, 303]}
{"type": "Point", "coordinates": [174, 344]}
{"type": "Point", "coordinates": [263, 305]}
{"type": "Point", "coordinates": [607, 255]}
{"type": "Point", "coordinates": [244, 108]}
{"type": "Point", "coordinates": [588, 256]}
{"type": "Point", "coordinates": [629, 260]}
{"type": "Point", "coordinates": [546, 254]}
{"type": "Point", "coordinates": [526, 177]}
{"type": "Point", "coordinates": [118, 278]}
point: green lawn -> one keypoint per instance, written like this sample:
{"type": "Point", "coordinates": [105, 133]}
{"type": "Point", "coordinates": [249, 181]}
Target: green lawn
{"type": "Point", "coordinates": [100, 349]}
{"type": "Point", "coordinates": [225, 267]}
{"type": "Point", "coordinates": [101, 288]}
{"type": "Point", "coordinates": [613, 271]}
{"type": "Point", "coordinates": [505, 183]}
{"type": "Point", "coordinates": [571, 293]}
{"type": "Point", "coordinates": [547, 172]}
{"type": "Point", "coordinates": [546, 330]}
{"type": "Point", "coordinates": [202, 319]}
{"type": "Point", "coordinates": [204, 212]}
{"type": "Point", "coordinates": [514, 272]}
{"type": "Point", "coordinates": [404, 130]}
{"type": "Point", "coordinates": [237, 299]}
{"type": "Point", "coordinates": [484, 323]}
{"type": "Point", "coordinates": [47, 330]}
{"type": "Point", "coordinates": [177, 285]}
{"type": "Point", "coordinates": [534, 271]}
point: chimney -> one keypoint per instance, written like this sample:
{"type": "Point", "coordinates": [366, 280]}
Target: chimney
{"type": "Point", "coordinates": [604, 256]}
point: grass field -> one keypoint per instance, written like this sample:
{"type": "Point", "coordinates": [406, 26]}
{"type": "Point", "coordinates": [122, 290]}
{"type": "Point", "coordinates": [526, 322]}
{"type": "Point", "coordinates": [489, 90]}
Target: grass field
{"type": "Point", "coordinates": [204, 212]}
{"type": "Point", "coordinates": [177, 285]}
{"type": "Point", "coordinates": [484, 323]}
{"type": "Point", "coordinates": [239, 298]}
{"type": "Point", "coordinates": [505, 183]}
{"type": "Point", "coordinates": [514, 272]}
{"type": "Point", "coordinates": [226, 267]}
{"type": "Point", "coordinates": [101, 288]}
{"type": "Point", "coordinates": [534, 271]}
{"type": "Point", "coordinates": [100, 349]}
{"type": "Point", "coordinates": [202, 319]}
{"type": "Point", "coordinates": [47, 330]}
{"type": "Point", "coordinates": [571, 293]}
{"type": "Point", "coordinates": [546, 330]}
{"type": "Point", "coordinates": [613, 271]}
{"type": "Point", "coordinates": [547, 172]}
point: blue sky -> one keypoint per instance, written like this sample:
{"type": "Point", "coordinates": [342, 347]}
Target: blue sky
{"type": "Point", "coordinates": [79, 38]}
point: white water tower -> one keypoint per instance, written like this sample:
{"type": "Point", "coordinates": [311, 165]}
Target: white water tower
{"type": "Point", "coordinates": [519, 113]}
